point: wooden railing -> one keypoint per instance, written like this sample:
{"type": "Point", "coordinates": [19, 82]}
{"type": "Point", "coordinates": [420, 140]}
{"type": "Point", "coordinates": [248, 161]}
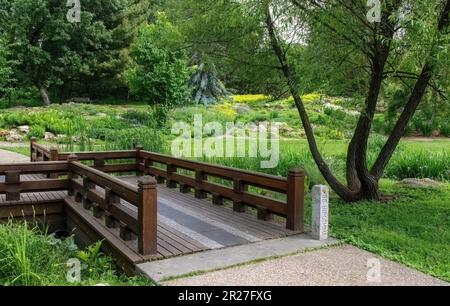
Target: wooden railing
{"type": "Point", "coordinates": [291, 188]}
{"type": "Point", "coordinates": [105, 202]}
{"type": "Point", "coordinates": [14, 185]}
{"type": "Point", "coordinates": [98, 160]}
{"type": "Point", "coordinates": [41, 153]}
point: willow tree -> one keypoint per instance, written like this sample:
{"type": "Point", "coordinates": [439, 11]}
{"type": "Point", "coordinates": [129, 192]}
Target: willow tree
{"type": "Point", "coordinates": [409, 44]}
{"type": "Point", "coordinates": [407, 29]}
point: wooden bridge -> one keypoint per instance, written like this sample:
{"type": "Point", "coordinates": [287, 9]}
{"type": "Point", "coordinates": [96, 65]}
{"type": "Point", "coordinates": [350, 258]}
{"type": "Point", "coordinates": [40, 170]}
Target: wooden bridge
{"type": "Point", "coordinates": [120, 197]}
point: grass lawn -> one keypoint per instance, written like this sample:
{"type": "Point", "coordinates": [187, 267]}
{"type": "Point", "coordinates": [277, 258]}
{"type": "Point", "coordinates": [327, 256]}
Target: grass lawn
{"type": "Point", "coordinates": [339, 147]}
{"type": "Point", "coordinates": [413, 230]}
{"type": "Point", "coordinates": [21, 150]}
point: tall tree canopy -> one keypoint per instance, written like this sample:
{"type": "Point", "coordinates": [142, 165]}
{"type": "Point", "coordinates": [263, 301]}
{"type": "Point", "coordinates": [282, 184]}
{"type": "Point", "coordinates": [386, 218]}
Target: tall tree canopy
{"type": "Point", "coordinates": [287, 43]}
{"type": "Point", "coordinates": [54, 53]}
{"type": "Point", "coordinates": [159, 74]}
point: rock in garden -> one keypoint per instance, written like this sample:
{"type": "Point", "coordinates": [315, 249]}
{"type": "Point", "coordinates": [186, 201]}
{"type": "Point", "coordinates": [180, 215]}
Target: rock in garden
{"type": "Point", "coordinates": [13, 136]}
{"type": "Point", "coordinates": [419, 183]}
{"type": "Point", "coordinates": [49, 136]}
{"type": "Point", "coordinates": [242, 108]}
{"type": "Point", "coordinates": [24, 129]}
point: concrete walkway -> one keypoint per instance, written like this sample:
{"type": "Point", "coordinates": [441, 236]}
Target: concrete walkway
{"type": "Point", "coordinates": [336, 266]}
{"type": "Point", "coordinates": [12, 157]}
{"type": "Point", "coordinates": [230, 256]}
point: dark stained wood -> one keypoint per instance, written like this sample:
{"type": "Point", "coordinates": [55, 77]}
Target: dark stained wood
{"type": "Point", "coordinates": [126, 191]}
{"type": "Point", "coordinates": [275, 183]}
{"type": "Point", "coordinates": [85, 225]}
{"type": "Point", "coordinates": [91, 156]}
{"type": "Point", "coordinates": [35, 168]}
{"type": "Point", "coordinates": [147, 216]}
{"type": "Point", "coordinates": [295, 200]}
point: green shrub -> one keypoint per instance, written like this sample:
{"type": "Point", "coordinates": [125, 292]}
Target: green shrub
{"type": "Point", "coordinates": [445, 129]}
{"type": "Point", "coordinates": [136, 116]}
{"type": "Point", "coordinates": [99, 127]}
{"type": "Point", "coordinates": [36, 131]}
{"type": "Point", "coordinates": [128, 139]}
{"type": "Point", "coordinates": [160, 74]}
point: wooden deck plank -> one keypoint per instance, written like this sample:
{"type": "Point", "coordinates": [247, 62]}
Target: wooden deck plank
{"type": "Point", "coordinates": [185, 240]}
{"type": "Point", "coordinates": [257, 227]}
{"type": "Point", "coordinates": [224, 212]}
{"type": "Point", "coordinates": [249, 227]}
{"type": "Point", "coordinates": [181, 244]}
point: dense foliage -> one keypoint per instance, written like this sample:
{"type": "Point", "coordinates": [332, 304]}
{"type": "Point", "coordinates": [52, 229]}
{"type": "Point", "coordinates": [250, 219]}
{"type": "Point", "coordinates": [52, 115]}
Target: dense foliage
{"type": "Point", "coordinates": [393, 73]}
{"type": "Point", "coordinates": [159, 74]}
{"type": "Point", "coordinates": [64, 59]}
{"type": "Point", "coordinates": [28, 257]}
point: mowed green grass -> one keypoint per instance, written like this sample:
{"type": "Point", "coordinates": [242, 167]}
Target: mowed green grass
{"type": "Point", "coordinates": [339, 147]}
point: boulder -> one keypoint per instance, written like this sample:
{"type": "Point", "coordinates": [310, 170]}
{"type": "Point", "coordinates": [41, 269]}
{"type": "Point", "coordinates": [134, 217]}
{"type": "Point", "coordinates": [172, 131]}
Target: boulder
{"type": "Point", "coordinates": [14, 136]}
{"type": "Point", "coordinates": [419, 183]}
{"type": "Point", "coordinates": [242, 108]}
{"type": "Point", "coordinates": [49, 136]}
{"type": "Point", "coordinates": [24, 129]}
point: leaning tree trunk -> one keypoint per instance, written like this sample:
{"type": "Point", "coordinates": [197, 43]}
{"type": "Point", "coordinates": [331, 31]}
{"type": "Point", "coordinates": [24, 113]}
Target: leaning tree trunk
{"type": "Point", "coordinates": [358, 174]}
{"type": "Point", "coordinates": [44, 95]}
{"type": "Point", "coordinates": [362, 183]}
{"type": "Point", "coordinates": [343, 191]}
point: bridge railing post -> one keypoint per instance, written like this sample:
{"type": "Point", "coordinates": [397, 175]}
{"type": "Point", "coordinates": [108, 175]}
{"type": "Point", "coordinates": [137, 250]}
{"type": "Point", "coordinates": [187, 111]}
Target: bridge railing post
{"type": "Point", "coordinates": [71, 175]}
{"type": "Point", "coordinates": [295, 200]}
{"type": "Point", "coordinates": [139, 149]}
{"type": "Point", "coordinates": [54, 156]}
{"type": "Point", "coordinates": [33, 155]}
{"type": "Point", "coordinates": [12, 180]}
{"type": "Point", "coordinates": [147, 216]}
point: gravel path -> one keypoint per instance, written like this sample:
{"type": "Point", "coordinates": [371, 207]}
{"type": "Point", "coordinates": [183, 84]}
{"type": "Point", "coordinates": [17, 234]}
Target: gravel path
{"type": "Point", "coordinates": [343, 265]}
{"type": "Point", "coordinates": [11, 157]}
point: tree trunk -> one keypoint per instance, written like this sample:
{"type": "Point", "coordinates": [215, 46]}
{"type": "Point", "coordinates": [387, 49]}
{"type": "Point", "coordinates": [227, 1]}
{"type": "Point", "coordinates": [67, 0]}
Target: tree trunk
{"type": "Point", "coordinates": [362, 183]}
{"type": "Point", "coordinates": [62, 92]}
{"type": "Point", "coordinates": [358, 174]}
{"type": "Point", "coordinates": [369, 185]}
{"type": "Point", "coordinates": [44, 95]}
{"type": "Point", "coordinates": [342, 190]}
{"type": "Point", "coordinates": [400, 127]}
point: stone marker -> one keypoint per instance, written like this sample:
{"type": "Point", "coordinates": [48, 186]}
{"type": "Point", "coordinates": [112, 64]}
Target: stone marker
{"type": "Point", "coordinates": [320, 196]}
